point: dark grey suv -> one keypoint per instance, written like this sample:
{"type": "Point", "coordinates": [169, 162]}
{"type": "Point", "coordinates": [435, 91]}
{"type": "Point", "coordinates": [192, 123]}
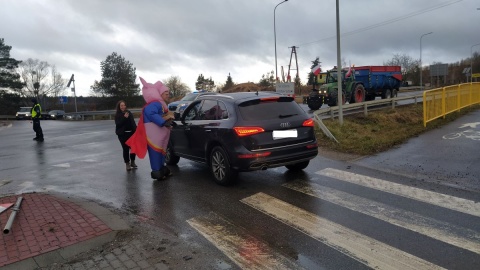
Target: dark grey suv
{"type": "Point", "coordinates": [240, 132]}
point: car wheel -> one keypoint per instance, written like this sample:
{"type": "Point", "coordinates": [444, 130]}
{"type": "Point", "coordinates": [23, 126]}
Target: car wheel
{"type": "Point", "coordinates": [220, 167]}
{"type": "Point", "coordinates": [170, 157]}
{"type": "Point", "coordinates": [315, 104]}
{"type": "Point", "coordinates": [387, 94]}
{"type": "Point", "coordinates": [394, 93]}
{"type": "Point", "coordinates": [358, 94]}
{"type": "Point", "coordinates": [298, 166]}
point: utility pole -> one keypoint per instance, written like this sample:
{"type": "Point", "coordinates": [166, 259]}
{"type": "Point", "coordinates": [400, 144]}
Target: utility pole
{"type": "Point", "coordinates": [339, 72]}
{"type": "Point", "coordinates": [72, 80]}
{"type": "Point", "coordinates": [421, 86]}
{"type": "Point", "coordinates": [294, 51]}
{"type": "Point", "coordinates": [275, 38]}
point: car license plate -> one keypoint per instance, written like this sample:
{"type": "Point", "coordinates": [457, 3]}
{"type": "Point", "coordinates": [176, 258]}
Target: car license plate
{"type": "Point", "coordinates": [282, 134]}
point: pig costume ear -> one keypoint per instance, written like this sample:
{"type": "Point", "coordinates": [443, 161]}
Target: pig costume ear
{"type": "Point", "coordinates": [153, 92]}
{"type": "Point", "coordinates": [142, 81]}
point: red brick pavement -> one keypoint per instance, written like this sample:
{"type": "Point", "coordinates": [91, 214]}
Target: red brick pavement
{"type": "Point", "coordinates": [43, 224]}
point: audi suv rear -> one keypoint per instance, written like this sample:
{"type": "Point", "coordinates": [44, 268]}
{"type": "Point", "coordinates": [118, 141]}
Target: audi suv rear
{"type": "Point", "coordinates": [239, 132]}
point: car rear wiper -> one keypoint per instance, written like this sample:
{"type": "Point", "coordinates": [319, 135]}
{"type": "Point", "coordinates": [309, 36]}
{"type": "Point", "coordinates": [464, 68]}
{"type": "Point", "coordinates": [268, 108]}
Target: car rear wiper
{"type": "Point", "coordinates": [286, 115]}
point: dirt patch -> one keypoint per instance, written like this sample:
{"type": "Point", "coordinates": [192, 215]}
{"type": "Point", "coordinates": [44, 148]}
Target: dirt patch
{"type": "Point", "coordinates": [247, 87]}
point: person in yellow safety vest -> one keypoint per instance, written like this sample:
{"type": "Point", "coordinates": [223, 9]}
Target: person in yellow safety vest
{"type": "Point", "coordinates": [36, 115]}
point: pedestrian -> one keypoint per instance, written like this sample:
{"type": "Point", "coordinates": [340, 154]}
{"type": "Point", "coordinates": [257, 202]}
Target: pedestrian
{"type": "Point", "coordinates": [154, 127]}
{"type": "Point", "coordinates": [36, 115]}
{"type": "Point", "coordinates": [125, 127]}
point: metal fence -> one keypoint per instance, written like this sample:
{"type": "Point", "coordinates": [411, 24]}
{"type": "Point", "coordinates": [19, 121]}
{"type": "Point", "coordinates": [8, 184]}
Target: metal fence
{"type": "Point", "coordinates": [442, 101]}
{"type": "Point", "coordinates": [93, 115]}
{"type": "Point", "coordinates": [364, 107]}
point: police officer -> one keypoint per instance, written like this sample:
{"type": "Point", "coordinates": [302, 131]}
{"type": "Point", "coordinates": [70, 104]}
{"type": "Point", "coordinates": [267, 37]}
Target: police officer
{"type": "Point", "coordinates": [36, 115]}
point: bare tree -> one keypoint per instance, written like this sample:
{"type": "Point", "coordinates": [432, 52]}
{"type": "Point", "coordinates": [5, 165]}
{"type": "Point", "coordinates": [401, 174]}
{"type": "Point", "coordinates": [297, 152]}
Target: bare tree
{"type": "Point", "coordinates": [176, 86]}
{"type": "Point", "coordinates": [50, 82]}
{"type": "Point", "coordinates": [408, 64]}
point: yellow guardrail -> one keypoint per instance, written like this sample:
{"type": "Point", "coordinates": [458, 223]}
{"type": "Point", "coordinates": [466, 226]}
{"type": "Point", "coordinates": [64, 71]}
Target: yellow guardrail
{"type": "Point", "coordinates": [442, 101]}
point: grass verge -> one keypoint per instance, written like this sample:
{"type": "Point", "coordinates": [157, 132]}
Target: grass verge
{"type": "Point", "coordinates": [380, 130]}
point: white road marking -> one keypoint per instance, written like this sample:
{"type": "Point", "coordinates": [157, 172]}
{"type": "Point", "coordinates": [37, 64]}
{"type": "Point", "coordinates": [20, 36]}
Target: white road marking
{"type": "Point", "coordinates": [27, 184]}
{"type": "Point", "coordinates": [440, 230]}
{"type": "Point", "coordinates": [442, 200]}
{"type": "Point", "coordinates": [243, 249]}
{"type": "Point", "coordinates": [89, 160]}
{"type": "Point", "coordinates": [364, 249]}
{"type": "Point", "coordinates": [63, 165]}
{"type": "Point", "coordinates": [471, 125]}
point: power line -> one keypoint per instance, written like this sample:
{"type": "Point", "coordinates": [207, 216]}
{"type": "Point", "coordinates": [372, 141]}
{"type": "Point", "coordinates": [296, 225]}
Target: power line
{"type": "Point", "coordinates": [386, 22]}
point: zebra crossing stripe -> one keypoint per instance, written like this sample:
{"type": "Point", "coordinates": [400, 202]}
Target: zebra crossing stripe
{"type": "Point", "coordinates": [442, 200]}
{"type": "Point", "coordinates": [243, 249]}
{"type": "Point", "coordinates": [455, 235]}
{"type": "Point", "coordinates": [364, 249]}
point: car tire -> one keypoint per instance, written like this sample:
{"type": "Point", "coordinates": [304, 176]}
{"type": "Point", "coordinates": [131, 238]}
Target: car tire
{"type": "Point", "coordinates": [358, 94]}
{"type": "Point", "coordinates": [315, 104]}
{"type": "Point", "coordinates": [387, 93]}
{"type": "Point", "coordinates": [170, 157]}
{"type": "Point", "coordinates": [220, 167]}
{"type": "Point", "coordinates": [298, 166]}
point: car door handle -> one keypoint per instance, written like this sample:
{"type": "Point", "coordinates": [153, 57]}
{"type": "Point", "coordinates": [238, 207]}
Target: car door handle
{"type": "Point", "coordinates": [208, 130]}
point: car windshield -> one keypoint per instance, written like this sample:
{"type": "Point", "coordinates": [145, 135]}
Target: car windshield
{"type": "Point", "coordinates": [25, 109]}
{"type": "Point", "coordinates": [283, 107]}
{"type": "Point", "coordinates": [190, 97]}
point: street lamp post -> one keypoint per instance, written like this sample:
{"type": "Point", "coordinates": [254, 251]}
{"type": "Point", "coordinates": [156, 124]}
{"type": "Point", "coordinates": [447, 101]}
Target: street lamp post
{"type": "Point", "coordinates": [421, 85]}
{"type": "Point", "coordinates": [471, 62]}
{"type": "Point", "coordinates": [275, 37]}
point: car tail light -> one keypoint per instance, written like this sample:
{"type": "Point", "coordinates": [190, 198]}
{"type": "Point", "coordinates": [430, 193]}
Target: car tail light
{"type": "Point", "coordinates": [308, 123]}
{"type": "Point", "coordinates": [247, 131]}
{"type": "Point", "coordinates": [255, 155]}
{"type": "Point", "coordinates": [310, 146]}
{"type": "Point", "coordinates": [269, 99]}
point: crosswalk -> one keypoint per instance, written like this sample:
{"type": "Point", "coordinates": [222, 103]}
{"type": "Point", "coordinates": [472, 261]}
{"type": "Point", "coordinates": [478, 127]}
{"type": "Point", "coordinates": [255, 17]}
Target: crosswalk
{"type": "Point", "coordinates": [250, 252]}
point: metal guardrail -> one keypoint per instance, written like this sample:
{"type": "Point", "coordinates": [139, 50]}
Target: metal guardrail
{"type": "Point", "coordinates": [92, 114]}
{"type": "Point", "coordinates": [7, 117]}
{"type": "Point", "coordinates": [80, 115]}
{"type": "Point", "coordinates": [332, 112]}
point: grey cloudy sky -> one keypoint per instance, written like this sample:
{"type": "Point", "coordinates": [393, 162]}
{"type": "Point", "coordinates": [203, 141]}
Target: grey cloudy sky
{"type": "Point", "coordinates": [186, 38]}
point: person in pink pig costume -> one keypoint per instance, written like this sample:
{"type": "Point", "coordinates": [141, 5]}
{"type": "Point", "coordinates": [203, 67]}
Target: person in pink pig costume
{"type": "Point", "coordinates": [153, 131]}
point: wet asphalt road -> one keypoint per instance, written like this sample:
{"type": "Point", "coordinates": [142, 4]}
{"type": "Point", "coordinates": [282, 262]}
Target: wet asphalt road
{"type": "Point", "coordinates": [84, 159]}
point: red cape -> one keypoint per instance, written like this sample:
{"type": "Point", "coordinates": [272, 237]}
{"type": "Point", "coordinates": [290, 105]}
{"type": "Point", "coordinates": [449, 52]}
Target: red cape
{"type": "Point", "coordinates": [138, 141]}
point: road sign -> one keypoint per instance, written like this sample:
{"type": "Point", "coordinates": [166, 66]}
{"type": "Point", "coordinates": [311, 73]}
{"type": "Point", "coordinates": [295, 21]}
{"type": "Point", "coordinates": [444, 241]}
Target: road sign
{"type": "Point", "coordinates": [63, 100]}
{"type": "Point", "coordinates": [286, 88]}
{"type": "Point", "coordinates": [5, 206]}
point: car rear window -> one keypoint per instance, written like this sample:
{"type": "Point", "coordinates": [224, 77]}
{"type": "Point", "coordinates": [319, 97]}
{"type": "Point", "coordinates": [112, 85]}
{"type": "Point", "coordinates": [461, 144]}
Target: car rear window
{"type": "Point", "coordinates": [265, 109]}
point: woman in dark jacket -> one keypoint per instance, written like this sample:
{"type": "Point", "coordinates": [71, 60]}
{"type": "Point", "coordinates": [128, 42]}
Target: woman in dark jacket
{"type": "Point", "coordinates": [125, 126]}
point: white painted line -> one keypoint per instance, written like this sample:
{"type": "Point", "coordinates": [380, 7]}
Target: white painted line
{"type": "Point", "coordinates": [440, 230]}
{"type": "Point", "coordinates": [364, 249]}
{"type": "Point", "coordinates": [243, 249]}
{"type": "Point", "coordinates": [442, 200]}
{"type": "Point", "coordinates": [63, 165]}
{"type": "Point", "coordinates": [27, 184]}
